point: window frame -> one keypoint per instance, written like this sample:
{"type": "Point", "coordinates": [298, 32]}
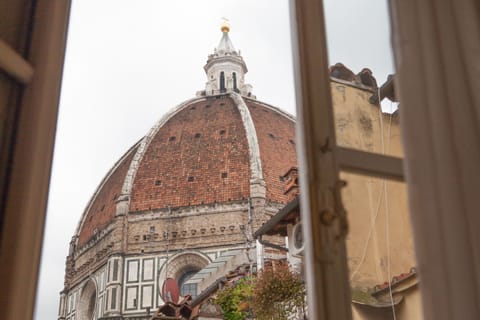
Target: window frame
{"type": "Point", "coordinates": [321, 160]}
{"type": "Point", "coordinates": [29, 171]}
{"type": "Point", "coordinates": [39, 67]}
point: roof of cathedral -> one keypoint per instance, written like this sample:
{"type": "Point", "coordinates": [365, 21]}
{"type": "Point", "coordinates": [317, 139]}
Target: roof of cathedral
{"type": "Point", "coordinates": [220, 147]}
{"type": "Point", "coordinates": [205, 151]}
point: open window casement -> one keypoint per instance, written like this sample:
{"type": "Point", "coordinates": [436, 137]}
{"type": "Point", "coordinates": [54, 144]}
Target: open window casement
{"type": "Point", "coordinates": [325, 221]}
{"type": "Point", "coordinates": [436, 45]}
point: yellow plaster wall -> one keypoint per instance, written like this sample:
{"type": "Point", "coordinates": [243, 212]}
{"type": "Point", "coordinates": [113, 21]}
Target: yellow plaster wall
{"type": "Point", "coordinates": [380, 234]}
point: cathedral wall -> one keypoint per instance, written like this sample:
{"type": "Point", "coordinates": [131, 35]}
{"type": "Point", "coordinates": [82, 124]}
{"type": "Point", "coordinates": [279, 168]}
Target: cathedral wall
{"type": "Point", "coordinates": [113, 291]}
{"type": "Point", "coordinates": [194, 227]}
{"type": "Point", "coordinates": [128, 280]}
{"type": "Point", "coordinates": [144, 275]}
{"type": "Point", "coordinates": [78, 304]}
{"type": "Point", "coordinates": [95, 253]}
{"type": "Point", "coordinates": [228, 68]}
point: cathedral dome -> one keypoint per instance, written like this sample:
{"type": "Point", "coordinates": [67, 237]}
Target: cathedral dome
{"type": "Point", "coordinates": [208, 150]}
{"type": "Point", "coordinates": [184, 201]}
{"type": "Point", "coordinates": [221, 147]}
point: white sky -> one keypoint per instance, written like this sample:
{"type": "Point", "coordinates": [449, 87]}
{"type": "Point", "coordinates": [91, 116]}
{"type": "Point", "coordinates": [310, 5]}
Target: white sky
{"type": "Point", "coordinates": [128, 62]}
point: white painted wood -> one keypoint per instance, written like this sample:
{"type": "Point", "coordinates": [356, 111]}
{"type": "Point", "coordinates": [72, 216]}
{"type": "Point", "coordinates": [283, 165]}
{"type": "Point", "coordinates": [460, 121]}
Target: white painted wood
{"type": "Point", "coordinates": [437, 50]}
{"type": "Point", "coordinates": [322, 212]}
{"type": "Point", "coordinates": [370, 164]}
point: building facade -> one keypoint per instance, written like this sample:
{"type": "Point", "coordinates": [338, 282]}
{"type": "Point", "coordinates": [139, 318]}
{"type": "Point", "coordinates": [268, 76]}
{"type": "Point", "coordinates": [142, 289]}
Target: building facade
{"type": "Point", "coordinates": [184, 201]}
{"type": "Point", "coordinates": [379, 241]}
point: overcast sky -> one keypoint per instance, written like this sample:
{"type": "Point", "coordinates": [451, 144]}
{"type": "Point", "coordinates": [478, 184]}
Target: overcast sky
{"type": "Point", "coordinates": [129, 62]}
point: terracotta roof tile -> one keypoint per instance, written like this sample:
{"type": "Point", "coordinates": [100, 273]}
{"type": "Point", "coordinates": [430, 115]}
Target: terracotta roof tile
{"type": "Point", "coordinates": [102, 207]}
{"type": "Point", "coordinates": [206, 162]}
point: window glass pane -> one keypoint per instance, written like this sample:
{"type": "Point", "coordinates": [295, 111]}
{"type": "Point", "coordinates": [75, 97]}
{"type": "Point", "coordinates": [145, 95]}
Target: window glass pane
{"type": "Point", "coordinates": [122, 92]}
{"type": "Point", "coordinates": [361, 61]}
{"type": "Point", "coordinates": [187, 288]}
{"type": "Point", "coordinates": [362, 125]}
{"type": "Point", "coordinates": [380, 249]}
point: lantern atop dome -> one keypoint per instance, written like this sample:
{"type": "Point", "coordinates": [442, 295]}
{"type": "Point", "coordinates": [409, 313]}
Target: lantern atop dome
{"type": "Point", "coordinates": [225, 68]}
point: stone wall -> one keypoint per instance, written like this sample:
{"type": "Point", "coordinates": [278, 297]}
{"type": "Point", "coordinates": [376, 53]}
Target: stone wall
{"type": "Point", "coordinates": [194, 227]}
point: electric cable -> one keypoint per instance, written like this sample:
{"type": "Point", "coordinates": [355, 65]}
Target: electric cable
{"type": "Point", "coordinates": [387, 211]}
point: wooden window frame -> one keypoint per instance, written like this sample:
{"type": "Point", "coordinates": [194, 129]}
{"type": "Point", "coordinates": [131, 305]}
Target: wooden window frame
{"type": "Point", "coordinates": [21, 252]}
{"type": "Point", "coordinates": [321, 160]}
{"type": "Point", "coordinates": [40, 70]}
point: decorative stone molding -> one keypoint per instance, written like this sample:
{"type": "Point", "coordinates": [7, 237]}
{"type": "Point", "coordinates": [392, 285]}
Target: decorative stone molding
{"type": "Point", "coordinates": [183, 262]}
{"type": "Point", "coordinates": [87, 305]}
{"type": "Point", "coordinates": [257, 184]}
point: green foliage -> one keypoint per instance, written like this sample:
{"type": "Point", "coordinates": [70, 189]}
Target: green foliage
{"type": "Point", "coordinates": [236, 300]}
{"type": "Point", "coordinates": [278, 293]}
{"type": "Point", "coordinates": [274, 294]}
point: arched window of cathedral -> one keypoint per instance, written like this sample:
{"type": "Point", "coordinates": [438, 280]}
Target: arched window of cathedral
{"type": "Point", "coordinates": [222, 82]}
{"type": "Point", "coordinates": [234, 76]}
{"type": "Point", "coordinates": [86, 305]}
{"type": "Point", "coordinates": [187, 288]}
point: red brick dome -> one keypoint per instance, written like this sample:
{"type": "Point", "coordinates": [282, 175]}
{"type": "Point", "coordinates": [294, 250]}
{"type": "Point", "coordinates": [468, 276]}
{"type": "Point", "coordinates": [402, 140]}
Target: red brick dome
{"type": "Point", "coordinates": [213, 149]}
